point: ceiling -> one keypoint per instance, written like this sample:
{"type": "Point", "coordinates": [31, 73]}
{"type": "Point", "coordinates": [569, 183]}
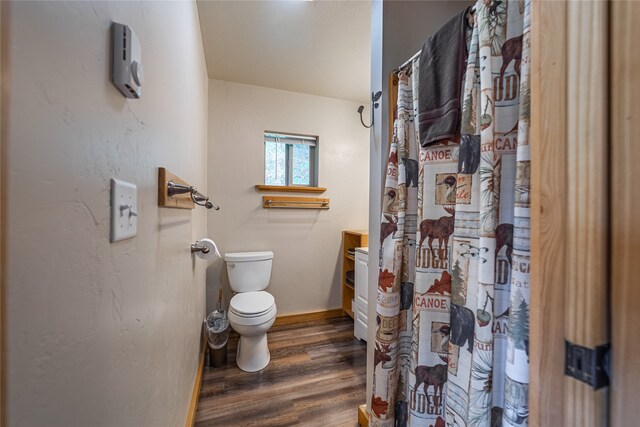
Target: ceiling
{"type": "Point", "coordinates": [316, 47]}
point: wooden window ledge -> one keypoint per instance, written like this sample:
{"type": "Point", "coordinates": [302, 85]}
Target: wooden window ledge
{"type": "Point", "coordinates": [290, 188]}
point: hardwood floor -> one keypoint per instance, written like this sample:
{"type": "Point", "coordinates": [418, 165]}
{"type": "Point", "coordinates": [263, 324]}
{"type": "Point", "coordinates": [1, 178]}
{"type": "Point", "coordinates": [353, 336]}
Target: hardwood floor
{"type": "Point", "coordinates": [317, 377]}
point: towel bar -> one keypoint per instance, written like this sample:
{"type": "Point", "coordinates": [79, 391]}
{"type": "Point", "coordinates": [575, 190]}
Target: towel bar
{"type": "Point", "coordinates": [294, 202]}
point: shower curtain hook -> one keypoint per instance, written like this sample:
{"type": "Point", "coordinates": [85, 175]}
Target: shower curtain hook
{"type": "Point", "coordinates": [374, 104]}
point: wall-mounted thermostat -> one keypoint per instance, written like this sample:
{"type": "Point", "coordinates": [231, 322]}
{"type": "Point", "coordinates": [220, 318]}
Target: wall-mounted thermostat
{"type": "Point", "coordinates": [126, 71]}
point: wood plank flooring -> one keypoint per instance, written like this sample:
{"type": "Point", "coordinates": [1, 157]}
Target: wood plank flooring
{"type": "Point", "coordinates": [317, 377]}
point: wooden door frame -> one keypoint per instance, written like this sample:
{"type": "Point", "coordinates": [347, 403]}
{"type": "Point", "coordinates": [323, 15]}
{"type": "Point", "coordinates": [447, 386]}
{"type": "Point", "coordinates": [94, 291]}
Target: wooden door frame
{"type": "Point", "coordinates": [569, 224]}
{"type": "Point", "coordinates": [625, 238]}
{"type": "Point", "coordinates": [548, 204]}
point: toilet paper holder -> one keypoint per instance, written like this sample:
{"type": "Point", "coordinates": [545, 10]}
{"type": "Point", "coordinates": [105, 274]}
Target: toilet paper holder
{"type": "Point", "coordinates": [205, 249]}
{"type": "Point", "coordinates": [197, 247]}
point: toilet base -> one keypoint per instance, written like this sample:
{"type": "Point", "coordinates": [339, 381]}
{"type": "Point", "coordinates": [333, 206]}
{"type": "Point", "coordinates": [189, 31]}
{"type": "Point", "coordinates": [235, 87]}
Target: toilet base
{"type": "Point", "coordinates": [253, 352]}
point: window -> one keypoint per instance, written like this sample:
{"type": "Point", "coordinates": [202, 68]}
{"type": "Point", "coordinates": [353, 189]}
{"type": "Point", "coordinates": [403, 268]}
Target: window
{"type": "Point", "coordinates": [290, 159]}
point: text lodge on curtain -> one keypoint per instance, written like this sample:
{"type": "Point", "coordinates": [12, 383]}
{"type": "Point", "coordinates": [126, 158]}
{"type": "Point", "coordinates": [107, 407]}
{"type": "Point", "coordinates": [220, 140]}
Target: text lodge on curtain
{"type": "Point", "coordinates": [452, 337]}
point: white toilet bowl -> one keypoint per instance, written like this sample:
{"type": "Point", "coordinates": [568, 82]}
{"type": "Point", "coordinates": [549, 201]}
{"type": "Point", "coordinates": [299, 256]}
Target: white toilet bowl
{"type": "Point", "coordinates": [251, 314]}
{"type": "Point", "coordinates": [252, 311]}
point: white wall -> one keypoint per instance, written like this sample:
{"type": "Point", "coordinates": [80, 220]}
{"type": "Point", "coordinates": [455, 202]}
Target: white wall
{"type": "Point", "coordinates": [306, 269]}
{"type": "Point", "coordinates": [398, 30]}
{"type": "Point", "coordinates": [100, 334]}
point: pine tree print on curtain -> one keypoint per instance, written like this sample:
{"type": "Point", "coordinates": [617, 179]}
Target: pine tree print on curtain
{"type": "Point", "coordinates": [483, 237]}
{"type": "Point", "coordinates": [516, 405]}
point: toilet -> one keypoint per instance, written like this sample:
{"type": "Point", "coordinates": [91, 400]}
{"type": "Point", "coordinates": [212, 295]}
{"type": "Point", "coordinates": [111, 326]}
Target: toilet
{"type": "Point", "coordinates": [252, 310]}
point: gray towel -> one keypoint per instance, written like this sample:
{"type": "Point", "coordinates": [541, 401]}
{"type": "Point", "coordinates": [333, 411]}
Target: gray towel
{"type": "Point", "coordinates": [442, 64]}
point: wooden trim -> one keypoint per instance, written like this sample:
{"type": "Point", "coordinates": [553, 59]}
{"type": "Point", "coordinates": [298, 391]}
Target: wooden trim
{"type": "Point", "coordinates": [586, 252]}
{"type": "Point", "coordinates": [548, 210]}
{"type": "Point", "coordinates": [306, 317]}
{"type": "Point", "coordinates": [279, 202]}
{"type": "Point", "coordinates": [195, 394]}
{"type": "Point", "coordinates": [393, 103]}
{"type": "Point", "coordinates": [290, 188]}
{"type": "Point", "coordinates": [363, 233]}
{"type": "Point", "coordinates": [363, 415]}
{"type": "Point", "coordinates": [624, 208]}
{"type": "Point", "coordinates": [180, 201]}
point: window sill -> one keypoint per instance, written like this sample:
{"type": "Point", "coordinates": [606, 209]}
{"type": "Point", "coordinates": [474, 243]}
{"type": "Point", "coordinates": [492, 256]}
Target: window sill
{"type": "Point", "coordinates": [290, 188]}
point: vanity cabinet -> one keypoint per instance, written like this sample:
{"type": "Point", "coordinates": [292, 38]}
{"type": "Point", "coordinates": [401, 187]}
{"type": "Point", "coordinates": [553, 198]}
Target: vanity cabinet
{"type": "Point", "coordinates": [361, 299]}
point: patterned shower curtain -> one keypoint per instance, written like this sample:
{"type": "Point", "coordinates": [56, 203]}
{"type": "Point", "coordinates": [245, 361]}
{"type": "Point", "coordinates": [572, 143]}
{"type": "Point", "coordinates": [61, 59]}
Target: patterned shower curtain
{"type": "Point", "coordinates": [452, 338]}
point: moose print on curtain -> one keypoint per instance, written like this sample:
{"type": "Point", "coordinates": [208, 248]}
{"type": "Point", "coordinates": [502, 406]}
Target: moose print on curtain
{"type": "Point", "coordinates": [456, 353]}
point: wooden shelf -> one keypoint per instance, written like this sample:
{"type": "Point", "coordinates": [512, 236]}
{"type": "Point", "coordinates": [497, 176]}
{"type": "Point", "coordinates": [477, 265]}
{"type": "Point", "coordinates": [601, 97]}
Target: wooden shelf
{"type": "Point", "coordinates": [350, 239]}
{"type": "Point", "coordinates": [290, 188]}
{"type": "Point", "coordinates": [362, 233]}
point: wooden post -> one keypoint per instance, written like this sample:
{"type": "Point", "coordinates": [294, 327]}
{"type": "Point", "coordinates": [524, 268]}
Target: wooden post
{"type": "Point", "coordinates": [586, 254]}
{"type": "Point", "coordinates": [548, 209]}
{"type": "Point", "coordinates": [625, 205]}
{"type": "Point", "coordinates": [393, 103]}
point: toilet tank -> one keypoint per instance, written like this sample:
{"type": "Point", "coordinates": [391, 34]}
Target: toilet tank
{"type": "Point", "coordinates": [249, 271]}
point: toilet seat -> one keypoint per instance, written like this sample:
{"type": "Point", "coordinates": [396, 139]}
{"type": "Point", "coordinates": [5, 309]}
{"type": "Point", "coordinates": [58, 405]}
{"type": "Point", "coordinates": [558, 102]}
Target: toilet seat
{"type": "Point", "coordinates": [266, 317]}
{"type": "Point", "coordinates": [252, 308]}
{"type": "Point", "coordinates": [251, 304]}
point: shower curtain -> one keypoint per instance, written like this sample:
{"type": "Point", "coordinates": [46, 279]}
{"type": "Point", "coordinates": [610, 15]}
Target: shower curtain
{"type": "Point", "coordinates": [452, 337]}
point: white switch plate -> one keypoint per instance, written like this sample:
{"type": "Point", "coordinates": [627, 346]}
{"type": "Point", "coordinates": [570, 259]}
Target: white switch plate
{"type": "Point", "coordinates": [124, 210]}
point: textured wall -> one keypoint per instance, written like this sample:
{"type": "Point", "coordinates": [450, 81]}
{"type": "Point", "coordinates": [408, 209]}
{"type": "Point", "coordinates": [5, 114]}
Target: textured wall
{"type": "Point", "coordinates": [101, 334]}
{"type": "Point", "coordinates": [306, 268]}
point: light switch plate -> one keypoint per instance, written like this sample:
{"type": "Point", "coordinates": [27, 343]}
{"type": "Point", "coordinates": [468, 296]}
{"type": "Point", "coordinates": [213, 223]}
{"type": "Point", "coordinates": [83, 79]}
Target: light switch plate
{"type": "Point", "coordinates": [124, 210]}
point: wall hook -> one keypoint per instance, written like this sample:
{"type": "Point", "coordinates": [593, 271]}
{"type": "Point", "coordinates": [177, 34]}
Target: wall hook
{"type": "Point", "coordinates": [374, 104]}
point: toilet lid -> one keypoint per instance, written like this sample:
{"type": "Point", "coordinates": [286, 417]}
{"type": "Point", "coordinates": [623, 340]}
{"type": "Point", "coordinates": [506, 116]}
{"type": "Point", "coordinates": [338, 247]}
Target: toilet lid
{"type": "Point", "coordinates": [251, 303]}
{"type": "Point", "coordinates": [248, 256]}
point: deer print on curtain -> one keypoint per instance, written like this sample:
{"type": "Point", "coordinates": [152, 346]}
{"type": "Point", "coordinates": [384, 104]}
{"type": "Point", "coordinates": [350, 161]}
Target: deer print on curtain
{"type": "Point", "coordinates": [456, 353]}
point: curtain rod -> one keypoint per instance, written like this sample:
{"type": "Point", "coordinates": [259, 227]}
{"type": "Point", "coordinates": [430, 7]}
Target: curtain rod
{"type": "Point", "coordinates": [408, 61]}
